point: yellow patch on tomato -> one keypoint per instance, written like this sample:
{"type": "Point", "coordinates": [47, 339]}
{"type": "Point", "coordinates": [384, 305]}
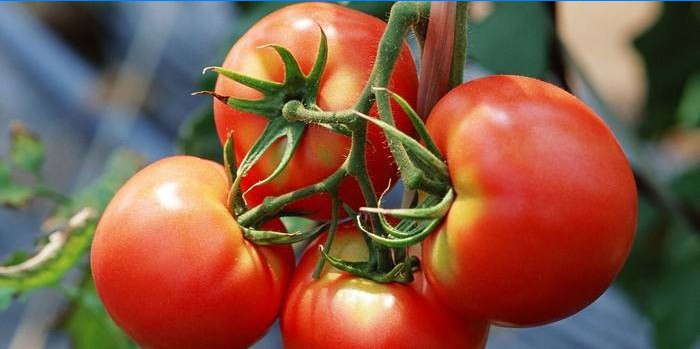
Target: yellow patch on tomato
{"type": "Point", "coordinates": [340, 89]}
{"type": "Point", "coordinates": [463, 213]}
{"type": "Point", "coordinates": [363, 302]}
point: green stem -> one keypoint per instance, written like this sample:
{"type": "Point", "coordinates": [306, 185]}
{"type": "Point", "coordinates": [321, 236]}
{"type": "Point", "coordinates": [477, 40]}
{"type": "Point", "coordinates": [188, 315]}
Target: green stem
{"type": "Point", "coordinates": [335, 207]}
{"type": "Point", "coordinates": [46, 192]}
{"type": "Point", "coordinates": [295, 111]}
{"type": "Point", "coordinates": [273, 205]}
{"type": "Point", "coordinates": [357, 167]}
{"type": "Point", "coordinates": [403, 16]}
{"type": "Point", "coordinates": [459, 50]}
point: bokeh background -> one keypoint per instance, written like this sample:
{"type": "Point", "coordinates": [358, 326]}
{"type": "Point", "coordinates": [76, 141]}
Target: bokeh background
{"type": "Point", "coordinates": [91, 78]}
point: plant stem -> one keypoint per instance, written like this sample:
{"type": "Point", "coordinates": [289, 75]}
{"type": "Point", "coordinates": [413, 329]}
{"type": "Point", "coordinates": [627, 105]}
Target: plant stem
{"type": "Point", "coordinates": [272, 205]}
{"type": "Point", "coordinates": [295, 111]}
{"type": "Point", "coordinates": [403, 16]}
{"type": "Point", "coordinates": [459, 49]}
{"type": "Point", "coordinates": [335, 207]}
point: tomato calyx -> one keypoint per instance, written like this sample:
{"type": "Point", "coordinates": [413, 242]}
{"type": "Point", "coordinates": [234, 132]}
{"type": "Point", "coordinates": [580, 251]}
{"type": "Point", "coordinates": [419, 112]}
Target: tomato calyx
{"type": "Point", "coordinates": [296, 87]}
{"type": "Point", "coordinates": [290, 105]}
{"type": "Point", "coordinates": [237, 206]}
{"type": "Point", "coordinates": [402, 272]}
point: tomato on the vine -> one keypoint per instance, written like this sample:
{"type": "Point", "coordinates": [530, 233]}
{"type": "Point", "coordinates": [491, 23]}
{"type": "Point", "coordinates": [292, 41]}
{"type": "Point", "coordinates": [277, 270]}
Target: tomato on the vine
{"type": "Point", "coordinates": [340, 310]}
{"type": "Point", "coordinates": [545, 208]}
{"type": "Point", "coordinates": [171, 265]}
{"type": "Point", "coordinates": [353, 38]}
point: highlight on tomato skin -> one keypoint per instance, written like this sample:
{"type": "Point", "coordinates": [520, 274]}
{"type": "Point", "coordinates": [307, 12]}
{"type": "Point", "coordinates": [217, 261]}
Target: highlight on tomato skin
{"type": "Point", "coordinates": [344, 311]}
{"type": "Point", "coordinates": [353, 39]}
{"type": "Point", "coordinates": [546, 204]}
{"type": "Point", "coordinates": [172, 267]}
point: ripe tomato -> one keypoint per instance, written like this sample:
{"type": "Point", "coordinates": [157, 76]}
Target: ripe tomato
{"type": "Point", "coordinates": [171, 265]}
{"type": "Point", "coordinates": [344, 311]}
{"type": "Point", "coordinates": [545, 208]}
{"type": "Point", "coordinates": [353, 38]}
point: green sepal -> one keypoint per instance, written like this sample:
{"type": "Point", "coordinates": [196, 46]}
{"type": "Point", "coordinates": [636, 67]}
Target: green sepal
{"type": "Point", "coordinates": [234, 199]}
{"type": "Point", "coordinates": [395, 231]}
{"type": "Point", "coordinates": [415, 119]}
{"type": "Point", "coordinates": [229, 159]}
{"type": "Point", "coordinates": [401, 272]}
{"type": "Point", "coordinates": [404, 241]}
{"type": "Point", "coordinates": [271, 237]}
{"type": "Point", "coordinates": [292, 71]}
{"type": "Point", "coordinates": [293, 134]}
{"type": "Point", "coordinates": [263, 86]}
{"type": "Point", "coordinates": [429, 163]}
{"type": "Point", "coordinates": [275, 130]}
{"type": "Point", "coordinates": [420, 213]}
{"type": "Point", "coordinates": [313, 80]}
{"type": "Point", "coordinates": [266, 107]}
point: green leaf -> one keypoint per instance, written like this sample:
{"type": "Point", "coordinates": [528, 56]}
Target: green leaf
{"type": "Point", "coordinates": [89, 326]}
{"type": "Point", "coordinates": [16, 257]}
{"type": "Point", "coordinates": [689, 108]}
{"type": "Point", "coordinates": [198, 136]}
{"type": "Point", "coordinates": [6, 294]}
{"type": "Point", "coordinates": [11, 194]}
{"type": "Point", "coordinates": [662, 274]}
{"type": "Point", "coordinates": [26, 150]}
{"type": "Point", "coordinates": [68, 245]}
{"type": "Point", "coordinates": [514, 39]}
{"type": "Point", "coordinates": [686, 188]}
{"type": "Point", "coordinates": [671, 55]}
{"type": "Point", "coordinates": [15, 195]}
{"type": "Point", "coordinates": [675, 307]}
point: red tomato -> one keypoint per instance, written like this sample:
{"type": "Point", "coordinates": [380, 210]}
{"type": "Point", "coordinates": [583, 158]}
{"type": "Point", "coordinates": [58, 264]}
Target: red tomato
{"type": "Point", "coordinates": [545, 208]}
{"type": "Point", "coordinates": [353, 38]}
{"type": "Point", "coordinates": [344, 311]}
{"type": "Point", "coordinates": [171, 265]}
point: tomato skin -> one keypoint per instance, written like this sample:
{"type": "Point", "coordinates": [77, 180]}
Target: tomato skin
{"type": "Point", "coordinates": [545, 208]}
{"type": "Point", "coordinates": [344, 311]}
{"type": "Point", "coordinates": [353, 38]}
{"type": "Point", "coordinates": [171, 265]}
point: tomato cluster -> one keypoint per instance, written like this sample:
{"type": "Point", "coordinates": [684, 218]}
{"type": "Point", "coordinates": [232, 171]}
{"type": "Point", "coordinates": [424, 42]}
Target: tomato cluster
{"type": "Point", "coordinates": [542, 221]}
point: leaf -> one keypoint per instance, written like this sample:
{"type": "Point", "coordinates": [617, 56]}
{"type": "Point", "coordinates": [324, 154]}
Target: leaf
{"type": "Point", "coordinates": [198, 135]}
{"type": "Point", "coordinates": [6, 294]}
{"type": "Point", "coordinates": [686, 188]}
{"type": "Point", "coordinates": [16, 257]}
{"type": "Point", "coordinates": [89, 326]}
{"type": "Point", "coordinates": [675, 307]}
{"type": "Point", "coordinates": [11, 194]}
{"type": "Point", "coordinates": [662, 274]}
{"type": "Point", "coordinates": [671, 56]}
{"type": "Point", "coordinates": [15, 195]}
{"type": "Point", "coordinates": [26, 150]}
{"type": "Point", "coordinates": [689, 108]}
{"type": "Point", "coordinates": [514, 39]}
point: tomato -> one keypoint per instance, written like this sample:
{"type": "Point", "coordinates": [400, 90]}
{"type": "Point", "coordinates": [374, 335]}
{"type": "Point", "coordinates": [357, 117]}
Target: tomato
{"type": "Point", "coordinates": [171, 265]}
{"type": "Point", "coordinates": [545, 208]}
{"type": "Point", "coordinates": [353, 38]}
{"type": "Point", "coordinates": [344, 311]}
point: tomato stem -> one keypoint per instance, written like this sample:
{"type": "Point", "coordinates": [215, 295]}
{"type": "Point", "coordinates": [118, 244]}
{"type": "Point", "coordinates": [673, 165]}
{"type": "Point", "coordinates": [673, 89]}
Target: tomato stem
{"type": "Point", "coordinates": [335, 207]}
{"type": "Point", "coordinates": [459, 49]}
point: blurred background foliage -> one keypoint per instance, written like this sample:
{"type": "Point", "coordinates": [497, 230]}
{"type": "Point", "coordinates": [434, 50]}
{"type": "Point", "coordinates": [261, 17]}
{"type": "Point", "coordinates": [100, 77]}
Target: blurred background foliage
{"type": "Point", "coordinates": [638, 65]}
